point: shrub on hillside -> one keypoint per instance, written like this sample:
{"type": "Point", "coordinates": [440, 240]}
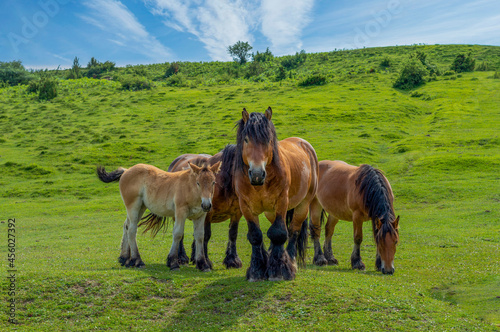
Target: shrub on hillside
{"type": "Point", "coordinates": [253, 69]}
{"type": "Point", "coordinates": [293, 61]}
{"type": "Point", "coordinates": [45, 87]}
{"type": "Point", "coordinates": [135, 83]}
{"type": "Point", "coordinates": [95, 68]}
{"type": "Point", "coordinates": [411, 75]}
{"type": "Point", "coordinates": [422, 57]}
{"type": "Point", "coordinates": [280, 73]}
{"type": "Point", "coordinates": [263, 57]}
{"type": "Point", "coordinates": [463, 63]}
{"type": "Point", "coordinates": [175, 80]}
{"type": "Point", "coordinates": [14, 73]}
{"type": "Point", "coordinates": [172, 69]}
{"type": "Point", "coordinates": [386, 62]}
{"type": "Point", "coordinates": [315, 79]}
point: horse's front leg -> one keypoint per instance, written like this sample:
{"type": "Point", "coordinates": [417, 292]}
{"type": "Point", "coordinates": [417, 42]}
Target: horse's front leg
{"type": "Point", "coordinates": [183, 257]}
{"type": "Point", "coordinates": [356, 262]}
{"type": "Point", "coordinates": [177, 234]}
{"type": "Point", "coordinates": [258, 262]}
{"type": "Point", "coordinates": [199, 237]}
{"type": "Point", "coordinates": [232, 260]}
{"type": "Point", "coordinates": [280, 266]}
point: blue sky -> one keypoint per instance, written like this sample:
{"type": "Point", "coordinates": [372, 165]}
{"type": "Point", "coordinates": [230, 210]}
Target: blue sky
{"type": "Point", "coordinates": [48, 33]}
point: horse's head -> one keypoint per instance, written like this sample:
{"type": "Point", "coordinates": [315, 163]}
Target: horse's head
{"type": "Point", "coordinates": [387, 237]}
{"type": "Point", "coordinates": [205, 181]}
{"type": "Point", "coordinates": [257, 142]}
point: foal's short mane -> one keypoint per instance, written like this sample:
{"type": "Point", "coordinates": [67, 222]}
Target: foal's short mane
{"type": "Point", "coordinates": [377, 199]}
{"type": "Point", "coordinates": [260, 131]}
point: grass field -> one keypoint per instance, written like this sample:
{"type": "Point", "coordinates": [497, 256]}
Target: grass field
{"type": "Point", "coordinates": [439, 147]}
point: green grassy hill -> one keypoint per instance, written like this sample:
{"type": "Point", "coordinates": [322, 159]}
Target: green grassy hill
{"type": "Point", "coordinates": [438, 146]}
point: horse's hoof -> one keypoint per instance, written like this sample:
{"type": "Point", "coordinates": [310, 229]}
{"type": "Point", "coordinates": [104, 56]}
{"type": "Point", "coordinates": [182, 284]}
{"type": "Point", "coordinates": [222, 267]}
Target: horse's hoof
{"type": "Point", "coordinates": [122, 260]}
{"type": "Point", "coordinates": [233, 263]}
{"type": "Point", "coordinates": [276, 279]}
{"type": "Point", "coordinates": [175, 268]}
{"type": "Point", "coordinates": [184, 260]}
{"type": "Point", "coordinates": [320, 260]}
{"type": "Point", "coordinates": [206, 270]}
{"type": "Point", "coordinates": [333, 261]}
{"type": "Point", "coordinates": [359, 265]}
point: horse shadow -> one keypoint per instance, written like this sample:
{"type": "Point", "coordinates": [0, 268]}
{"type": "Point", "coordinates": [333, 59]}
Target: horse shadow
{"type": "Point", "coordinates": [217, 305]}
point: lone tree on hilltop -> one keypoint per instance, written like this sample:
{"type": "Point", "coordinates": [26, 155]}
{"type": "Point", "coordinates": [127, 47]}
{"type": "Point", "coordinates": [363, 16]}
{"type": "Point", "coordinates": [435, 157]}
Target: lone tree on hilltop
{"type": "Point", "coordinates": [240, 51]}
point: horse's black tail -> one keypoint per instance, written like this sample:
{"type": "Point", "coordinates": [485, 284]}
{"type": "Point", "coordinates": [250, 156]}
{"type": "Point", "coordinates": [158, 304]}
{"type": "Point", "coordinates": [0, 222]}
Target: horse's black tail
{"type": "Point", "coordinates": [301, 244]}
{"type": "Point", "coordinates": [109, 177]}
{"type": "Point", "coordinates": [315, 231]}
{"type": "Point", "coordinates": [153, 223]}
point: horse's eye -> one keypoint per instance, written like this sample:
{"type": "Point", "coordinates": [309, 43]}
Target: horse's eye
{"type": "Point", "coordinates": [197, 183]}
{"type": "Point", "coordinates": [246, 139]}
{"type": "Point", "coordinates": [213, 183]}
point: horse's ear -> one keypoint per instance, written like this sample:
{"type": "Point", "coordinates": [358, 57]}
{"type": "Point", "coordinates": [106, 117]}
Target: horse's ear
{"type": "Point", "coordinates": [269, 113]}
{"type": "Point", "coordinates": [378, 223]}
{"type": "Point", "coordinates": [245, 116]}
{"type": "Point", "coordinates": [194, 168]}
{"type": "Point", "coordinates": [396, 223]}
{"type": "Point", "coordinates": [215, 168]}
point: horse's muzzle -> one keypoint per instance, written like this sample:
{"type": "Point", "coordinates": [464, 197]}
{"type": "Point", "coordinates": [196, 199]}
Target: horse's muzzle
{"type": "Point", "coordinates": [206, 206]}
{"type": "Point", "coordinates": [257, 177]}
{"type": "Point", "coordinates": [388, 271]}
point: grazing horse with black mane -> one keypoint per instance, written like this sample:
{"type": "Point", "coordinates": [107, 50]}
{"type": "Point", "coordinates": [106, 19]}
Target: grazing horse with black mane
{"type": "Point", "coordinates": [355, 194]}
{"type": "Point", "coordinates": [273, 177]}
{"type": "Point", "coordinates": [224, 203]}
{"type": "Point", "coordinates": [186, 194]}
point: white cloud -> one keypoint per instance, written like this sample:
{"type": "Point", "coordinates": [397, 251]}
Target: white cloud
{"type": "Point", "coordinates": [115, 18]}
{"type": "Point", "coordinates": [216, 23]}
{"type": "Point", "coordinates": [283, 22]}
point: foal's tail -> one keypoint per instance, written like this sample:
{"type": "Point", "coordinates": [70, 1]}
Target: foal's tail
{"type": "Point", "coordinates": [153, 223]}
{"type": "Point", "coordinates": [109, 177]}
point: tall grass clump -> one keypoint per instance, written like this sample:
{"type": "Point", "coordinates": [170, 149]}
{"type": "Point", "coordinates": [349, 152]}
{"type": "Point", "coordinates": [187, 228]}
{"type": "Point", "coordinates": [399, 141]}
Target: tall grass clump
{"type": "Point", "coordinates": [411, 75]}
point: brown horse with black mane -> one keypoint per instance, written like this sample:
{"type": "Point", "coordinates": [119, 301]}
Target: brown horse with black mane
{"type": "Point", "coordinates": [273, 177]}
{"type": "Point", "coordinates": [355, 194]}
{"type": "Point", "coordinates": [224, 203]}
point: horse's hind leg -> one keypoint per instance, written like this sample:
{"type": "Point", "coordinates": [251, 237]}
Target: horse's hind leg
{"type": "Point", "coordinates": [356, 262]}
{"type": "Point", "coordinates": [297, 240]}
{"type": "Point", "coordinates": [125, 247]}
{"type": "Point", "coordinates": [232, 260]}
{"type": "Point", "coordinates": [199, 231]}
{"type": "Point", "coordinates": [329, 229]}
{"type": "Point", "coordinates": [134, 213]}
{"type": "Point", "coordinates": [315, 214]}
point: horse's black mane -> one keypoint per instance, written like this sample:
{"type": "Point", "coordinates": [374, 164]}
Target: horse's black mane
{"type": "Point", "coordinates": [226, 170]}
{"type": "Point", "coordinates": [259, 130]}
{"type": "Point", "coordinates": [377, 198]}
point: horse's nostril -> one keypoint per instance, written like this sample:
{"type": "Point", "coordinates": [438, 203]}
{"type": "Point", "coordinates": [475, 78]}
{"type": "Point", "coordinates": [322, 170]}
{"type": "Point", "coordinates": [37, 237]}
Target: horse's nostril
{"type": "Point", "coordinates": [263, 174]}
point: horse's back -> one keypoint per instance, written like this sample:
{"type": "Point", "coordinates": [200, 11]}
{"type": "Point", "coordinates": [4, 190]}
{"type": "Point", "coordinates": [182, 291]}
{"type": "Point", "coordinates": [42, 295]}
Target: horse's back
{"type": "Point", "coordinates": [180, 163]}
{"type": "Point", "coordinates": [337, 188]}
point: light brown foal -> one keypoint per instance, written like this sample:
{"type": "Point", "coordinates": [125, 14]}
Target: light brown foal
{"type": "Point", "coordinates": [181, 195]}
